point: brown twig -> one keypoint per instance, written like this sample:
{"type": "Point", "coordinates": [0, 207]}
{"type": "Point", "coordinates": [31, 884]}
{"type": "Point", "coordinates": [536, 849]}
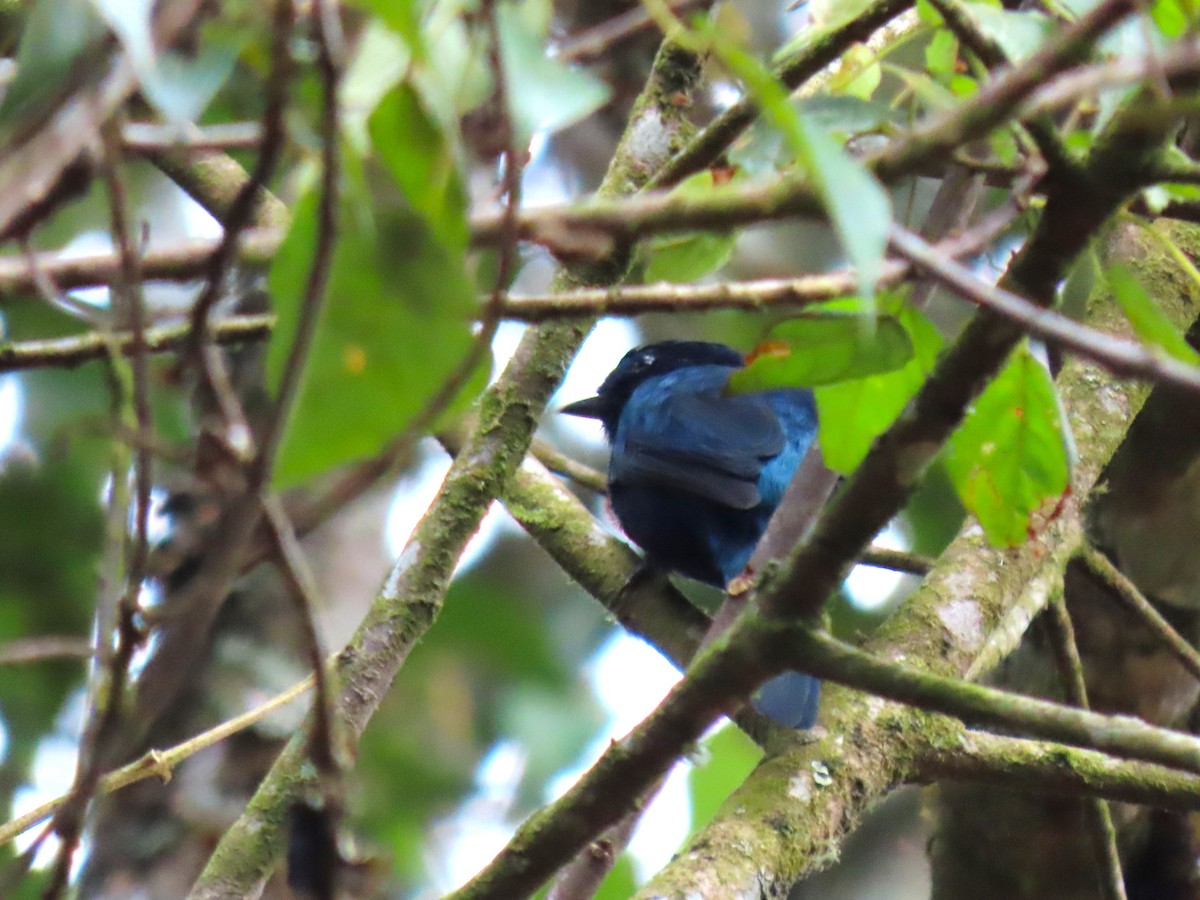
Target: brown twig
{"type": "Point", "coordinates": [33, 169]}
{"type": "Point", "coordinates": [184, 261]}
{"type": "Point", "coordinates": [1096, 812]}
{"type": "Point", "coordinates": [581, 878]}
{"type": "Point", "coordinates": [708, 146]}
{"type": "Point", "coordinates": [591, 44]}
{"type": "Point", "coordinates": [329, 62]}
{"type": "Point", "coordinates": [241, 211]}
{"type": "Point", "coordinates": [1069, 87]}
{"type": "Point", "coordinates": [896, 560]}
{"type": "Point", "coordinates": [36, 649]}
{"type": "Point", "coordinates": [571, 469]}
{"type": "Point", "coordinates": [158, 763]}
{"type": "Point", "coordinates": [104, 720]}
{"type": "Point", "coordinates": [1122, 357]}
{"type": "Point", "coordinates": [297, 576]}
{"type": "Point", "coordinates": [152, 138]}
{"type": "Point", "coordinates": [1134, 600]}
{"type": "Point", "coordinates": [68, 352]}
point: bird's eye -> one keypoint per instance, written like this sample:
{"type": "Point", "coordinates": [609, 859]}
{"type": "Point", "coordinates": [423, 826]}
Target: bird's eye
{"type": "Point", "coordinates": [647, 360]}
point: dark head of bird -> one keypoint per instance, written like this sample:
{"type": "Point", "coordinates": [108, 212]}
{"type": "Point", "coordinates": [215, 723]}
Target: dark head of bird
{"type": "Point", "coordinates": [641, 364]}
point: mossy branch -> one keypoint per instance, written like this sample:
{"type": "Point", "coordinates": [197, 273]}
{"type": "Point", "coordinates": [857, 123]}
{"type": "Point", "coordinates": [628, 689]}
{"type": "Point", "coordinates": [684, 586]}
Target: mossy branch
{"type": "Point", "coordinates": [970, 612]}
{"type": "Point", "coordinates": [412, 595]}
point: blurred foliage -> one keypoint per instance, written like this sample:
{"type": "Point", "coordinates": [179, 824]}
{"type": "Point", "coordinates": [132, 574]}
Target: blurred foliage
{"type": "Point", "coordinates": [502, 669]}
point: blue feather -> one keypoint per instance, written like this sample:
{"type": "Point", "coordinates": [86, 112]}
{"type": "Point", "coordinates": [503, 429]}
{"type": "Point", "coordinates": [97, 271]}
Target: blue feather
{"type": "Point", "coordinates": [696, 473]}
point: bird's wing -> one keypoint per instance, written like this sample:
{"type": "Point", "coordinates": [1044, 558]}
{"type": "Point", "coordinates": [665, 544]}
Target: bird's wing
{"type": "Point", "coordinates": [704, 443]}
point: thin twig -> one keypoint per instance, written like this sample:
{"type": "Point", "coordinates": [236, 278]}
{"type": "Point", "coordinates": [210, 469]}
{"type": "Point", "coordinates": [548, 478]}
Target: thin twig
{"type": "Point", "coordinates": [159, 763]}
{"type": "Point", "coordinates": [1135, 601]}
{"type": "Point", "coordinates": [591, 44]}
{"type": "Point", "coordinates": [297, 576]}
{"type": "Point", "coordinates": [104, 720]}
{"type": "Point", "coordinates": [183, 261]}
{"type": "Point", "coordinates": [149, 137]}
{"type": "Point", "coordinates": [45, 647]}
{"type": "Point", "coordinates": [797, 291]}
{"type": "Point", "coordinates": [1069, 87]}
{"type": "Point", "coordinates": [1122, 357]}
{"type": "Point", "coordinates": [241, 211]}
{"type": "Point", "coordinates": [581, 878]}
{"type": "Point", "coordinates": [46, 286]}
{"type": "Point", "coordinates": [1097, 814]}
{"type": "Point", "coordinates": [624, 300]}
{"type": "Point", "coordinates": [896, 560]}
{"type": "Point", "coordinates": [329, 61]}
{"type": "Point", "coordinates": [68, 352]}
{"type": "Point", "coordinates": [1027, 765]}
{"type": "Point", "coordinates": [571, 469]}
{"type": "Point", "coordinates": [707, 147]}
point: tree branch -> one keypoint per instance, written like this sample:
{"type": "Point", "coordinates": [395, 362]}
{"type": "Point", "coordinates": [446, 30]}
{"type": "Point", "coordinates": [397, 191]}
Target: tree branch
{"type": "Point", "coordinates": [970, 611]}
{"type": "Point", "coordinates": [412, 594]}
{"type": "Point", "coordinates": [71, 351]}
{"type": "Point", "coordinates": [1121, 357]}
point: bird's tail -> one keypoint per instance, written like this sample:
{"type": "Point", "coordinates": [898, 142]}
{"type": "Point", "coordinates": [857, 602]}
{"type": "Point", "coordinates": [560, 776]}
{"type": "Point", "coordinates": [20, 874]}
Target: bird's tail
{"type": "Point", "coordinates": [790, 699]}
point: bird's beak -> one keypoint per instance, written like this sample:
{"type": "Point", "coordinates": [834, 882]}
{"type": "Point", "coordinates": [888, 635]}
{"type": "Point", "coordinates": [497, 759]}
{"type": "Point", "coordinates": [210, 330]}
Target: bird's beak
{"type": "Point", "coordinates": [591, 408]}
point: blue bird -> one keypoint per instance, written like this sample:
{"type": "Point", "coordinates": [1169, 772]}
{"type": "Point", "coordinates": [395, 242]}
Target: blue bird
{"type": "Point", "coordinates": [695, 473]}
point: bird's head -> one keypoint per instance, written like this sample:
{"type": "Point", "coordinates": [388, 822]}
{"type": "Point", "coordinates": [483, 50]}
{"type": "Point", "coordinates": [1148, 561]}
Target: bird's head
{"type": "Point", "coordinates": [643, 363]}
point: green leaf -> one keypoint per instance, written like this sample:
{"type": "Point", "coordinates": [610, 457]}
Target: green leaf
{"type": "Point", "coordinates": [933, 95]}
{"type": "Point", "coordinates": [1077, 289]}
{"type": "Point", "coordinates": [403, 17]}
{"type": "Point", "coordinates": [828, 17]}
{"type": "Point", "coordinates": [1147, 319]}
{"type": "Point", "coordinates": [181, 87]}
{"type": "Point", "coordinates": [58, 36]}
{"type": "Point", "coordinates": [130, 22]}
{"type": "Point", "coordinates": [688, 257]}
{"type": "Point", "coordinates": [1019, 34]}
{"type": "Point", "coordinates": [1170, 17]}
{"type": "Point", "coordinates": [942, 54]}
{"type": "Point", "coordinates": [543, 94]}
{"type": "Point", "coordinates": [847, 115]}
{"type": "Point", "coordinates": [396, 323]}
{"type": "Point", "coordinates": [681, 258]}
{"type": "Point", "coordinates": [853, 413]}
{"type": "Point", "coordinates": [620, 883]}
{"type": "Point", "coordinates": [421, 159]}
{"type": "Point", "coordinates": [50, 545]}
{"type": "Point", "coordinates": [856, 202]}
{"type": "Point", "coordinates": [859, 74]}
{"type": "Point", "coordinates": [928, 15]}
{"type": "Point", "coordinates": [731, 757]}
{"type": "Point", "coordinates": [1010, 455]}
{"type": "Point", "coordinates": [963, 86]}
{"type": "Point", "coordinates": [1004, 145]}
{"type": "Point", "coordinates": [379, 62]}
{"type": "Point", "coordinates": [824, 348]}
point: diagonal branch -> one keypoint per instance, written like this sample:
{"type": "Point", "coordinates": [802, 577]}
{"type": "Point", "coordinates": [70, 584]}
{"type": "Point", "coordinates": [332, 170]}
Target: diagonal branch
{"type": "Point", "coordinates": [411, 597]}
{"type": "Point", "coordinates": [1121, 357]}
